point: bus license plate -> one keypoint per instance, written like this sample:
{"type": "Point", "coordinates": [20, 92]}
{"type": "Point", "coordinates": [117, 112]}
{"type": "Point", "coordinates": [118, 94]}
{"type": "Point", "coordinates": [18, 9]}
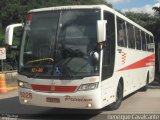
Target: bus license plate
{"type": "Point", "coordinates": [54, 100]}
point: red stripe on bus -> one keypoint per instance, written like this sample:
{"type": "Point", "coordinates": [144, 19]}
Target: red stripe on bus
{"type": "Point", "coordinates": [145, 62]}
{"type": "Point", "coordinates": [49, 88]}
{"type": "Point", "coordinates": [41, 88]}
{"type": "Point", "coordinates": [65, 88]}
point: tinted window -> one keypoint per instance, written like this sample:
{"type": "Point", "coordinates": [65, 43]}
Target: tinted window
{"type": "Point", "coordinates": [138, 38]}
{"type": "Point", "coordinates": [148, 42]}
{"type": "Point", "coordinates": [131, 37]}
{"type": "Point", "coordinates": [121, 33]}
{"type": "Point", "coordinates": [143, 40]}
{"type": "Point", "coordinates": [109, 49]}
{"type": "Point", "coordinates": [59, 44]}
{"type": "Point", "coordinates": [152, 40]}
{"type": "Point", "coordinates": [151, 46]}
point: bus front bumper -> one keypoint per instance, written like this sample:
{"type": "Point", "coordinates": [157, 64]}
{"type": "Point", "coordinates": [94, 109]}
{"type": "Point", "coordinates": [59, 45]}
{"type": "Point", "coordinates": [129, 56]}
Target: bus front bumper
{"type": "Point", "coordinates": [77, 100]}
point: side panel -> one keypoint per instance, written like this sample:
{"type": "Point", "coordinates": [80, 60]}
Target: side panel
{"type": "Point", "coordinates": [133, 68]}
{"type": "Point", "coordinates": [134, 59]}
{"type": "Point", "coordinates": [132, 63]}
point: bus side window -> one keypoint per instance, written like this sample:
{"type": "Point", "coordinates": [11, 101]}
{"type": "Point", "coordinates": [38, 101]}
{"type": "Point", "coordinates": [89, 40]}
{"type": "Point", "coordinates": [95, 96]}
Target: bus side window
{"type": "Point", "coordinates": [109, 49]}
{"type": "Point", "coordinates": [148, 42]}
{"type": "Point", "coordinates": [152, 44]}
{"type": "Point", "coordinates": [130, 34]}
{"type": "Point", "coordinates": [152, 40]}
{"type": "Point", "coordinates": [143, 41]}
{"type": "Point", "coordinates": [121, 33]}
{"type": "Point", "coordinates": [138, 39]}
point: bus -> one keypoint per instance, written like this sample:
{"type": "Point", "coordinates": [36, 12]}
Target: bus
{"type": "Point", "coordinates": [82, 57]}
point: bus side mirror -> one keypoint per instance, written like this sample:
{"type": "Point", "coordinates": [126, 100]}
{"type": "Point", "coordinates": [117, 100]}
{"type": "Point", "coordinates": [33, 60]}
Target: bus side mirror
{"type": "Point", "coordinates": [9, 33]}
{"type": "Point", "coordinates": [101, 30]}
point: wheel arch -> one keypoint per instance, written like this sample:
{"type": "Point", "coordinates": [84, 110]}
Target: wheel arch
{"type": "Point", "coordinates": [148, 75]}
{"type": "Point", "coordinates": [121, 81]}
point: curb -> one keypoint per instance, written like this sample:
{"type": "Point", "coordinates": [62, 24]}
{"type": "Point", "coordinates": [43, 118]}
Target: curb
{"type": "Point", "coordinates": [10, 84]}
{"type": "Point", "coordinates": [154, 87]}
{"type": "Point", "coordinates": [11, 88]}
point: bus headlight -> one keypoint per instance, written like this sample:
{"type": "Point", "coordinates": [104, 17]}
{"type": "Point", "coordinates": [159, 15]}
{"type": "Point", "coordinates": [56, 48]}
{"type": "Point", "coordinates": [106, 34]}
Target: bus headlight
{"type": "Point", "coordinates": [24, 84]}
{"type": "Point", "coordinates": [89, 86]}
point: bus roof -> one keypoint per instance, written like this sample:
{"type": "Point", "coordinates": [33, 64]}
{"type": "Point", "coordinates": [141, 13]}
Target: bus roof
{"type": "Point", "coordinates": [103, 7]}
{"type": "Point", "coordinates": [68, 7]}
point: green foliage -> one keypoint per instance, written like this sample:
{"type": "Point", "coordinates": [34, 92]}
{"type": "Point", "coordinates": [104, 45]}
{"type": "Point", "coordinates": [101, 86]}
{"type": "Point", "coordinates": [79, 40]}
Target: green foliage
{"type": "Point", "coordinates": [140, 18]}
{"type": "Point", "coordinates": [151, 23]}
{"type": "Point", "coordinates": [157, 9]}
{"type": "Point", "coordinates": [1, 37]}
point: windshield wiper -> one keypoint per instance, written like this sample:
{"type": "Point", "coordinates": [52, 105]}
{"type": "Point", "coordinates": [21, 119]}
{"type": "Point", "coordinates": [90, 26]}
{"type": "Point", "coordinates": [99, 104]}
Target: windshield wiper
{"type": "Point", "coordinates": [39, 60]}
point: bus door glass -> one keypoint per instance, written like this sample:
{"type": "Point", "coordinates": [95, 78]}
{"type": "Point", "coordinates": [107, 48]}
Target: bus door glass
{"type": "Point", "coordinates": [109, 47]}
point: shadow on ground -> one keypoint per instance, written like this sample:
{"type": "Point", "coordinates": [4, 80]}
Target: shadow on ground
{"type": "Point", "coordinates": [156, 83]}
{"type": "Point", "coordinates": [11, 107]}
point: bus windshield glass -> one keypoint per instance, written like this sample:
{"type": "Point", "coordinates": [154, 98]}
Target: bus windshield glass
{"type": "Point", "coordinates": [59, 44]}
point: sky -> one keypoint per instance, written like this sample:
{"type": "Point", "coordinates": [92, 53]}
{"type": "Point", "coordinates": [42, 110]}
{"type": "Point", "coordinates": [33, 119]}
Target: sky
{"type": "Point", "coordinates": [144, 6]}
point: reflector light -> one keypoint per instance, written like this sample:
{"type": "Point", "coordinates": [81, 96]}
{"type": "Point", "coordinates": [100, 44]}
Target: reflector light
{"type": "Point", "coordinates": [29, 17]}
{"type": "Point", "coordinates": [89, 105]}
{"type": "Point", "coordinates": [25, 101]}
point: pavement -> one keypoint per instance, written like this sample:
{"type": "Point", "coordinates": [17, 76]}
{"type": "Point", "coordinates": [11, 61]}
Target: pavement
{"type": "Point", "coordinates": [10, 94]}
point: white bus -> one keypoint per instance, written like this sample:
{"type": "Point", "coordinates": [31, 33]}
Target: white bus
{"type": "Point", "coordinates": [82, 57]}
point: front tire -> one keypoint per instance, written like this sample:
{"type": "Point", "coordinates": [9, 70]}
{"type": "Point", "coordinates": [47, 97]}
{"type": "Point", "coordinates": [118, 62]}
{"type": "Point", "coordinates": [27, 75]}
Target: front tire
{"type": "Point", "coordinates": [145, 88]}
{"type": "Point", "coordinates": [119, 98]}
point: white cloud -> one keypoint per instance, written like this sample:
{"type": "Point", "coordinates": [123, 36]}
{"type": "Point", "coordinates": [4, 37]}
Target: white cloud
{"type": "Point", "coordinates": [145, 9]}
{"type": "Point", "coordinates": [157, 5]}
{"type": "Point", "coordinates": [116, 1]}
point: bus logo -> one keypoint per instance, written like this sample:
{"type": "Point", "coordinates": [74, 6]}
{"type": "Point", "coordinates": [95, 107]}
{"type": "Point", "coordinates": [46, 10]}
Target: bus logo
{"type": "Point", "coordinates": [52, 88]}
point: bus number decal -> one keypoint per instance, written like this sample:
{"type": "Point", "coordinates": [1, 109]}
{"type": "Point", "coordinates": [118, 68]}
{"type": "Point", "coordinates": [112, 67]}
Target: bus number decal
{"type": "Point", "coordinates": [26, 95]}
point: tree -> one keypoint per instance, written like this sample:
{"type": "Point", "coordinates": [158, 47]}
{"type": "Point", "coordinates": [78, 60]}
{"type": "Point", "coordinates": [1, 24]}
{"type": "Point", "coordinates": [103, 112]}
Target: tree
{"type": "Point", "coordinates": [151, 23]}
{"type": "Point", "coordinates": [157, 10]}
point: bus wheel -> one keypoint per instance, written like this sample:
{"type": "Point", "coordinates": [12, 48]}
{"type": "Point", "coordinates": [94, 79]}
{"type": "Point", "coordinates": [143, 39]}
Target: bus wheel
{"type": "Point", "coordinates": [119, 98]}
{"type": "Point", "coordinates": [145, 88]}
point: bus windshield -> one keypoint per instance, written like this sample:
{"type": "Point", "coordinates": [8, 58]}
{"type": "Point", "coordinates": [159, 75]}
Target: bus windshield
{"type": "Point", "coordinates": [58, 44]}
